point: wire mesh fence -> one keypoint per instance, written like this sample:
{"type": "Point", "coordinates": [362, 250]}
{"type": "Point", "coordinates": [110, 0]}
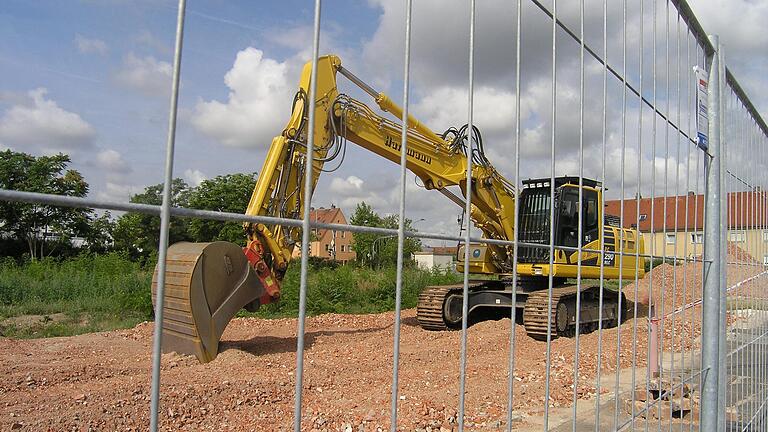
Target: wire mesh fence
{"type": "Point", "coordinates": [626, 246]}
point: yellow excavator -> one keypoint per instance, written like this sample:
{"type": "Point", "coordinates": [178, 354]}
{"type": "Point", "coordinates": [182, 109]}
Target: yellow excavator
{"type": "Point", "coordinates": [208, 283]}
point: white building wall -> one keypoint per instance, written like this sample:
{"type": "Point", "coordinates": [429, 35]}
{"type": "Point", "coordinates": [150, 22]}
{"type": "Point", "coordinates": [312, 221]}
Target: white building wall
{"type": "Point", "coordinates": [428, 261]}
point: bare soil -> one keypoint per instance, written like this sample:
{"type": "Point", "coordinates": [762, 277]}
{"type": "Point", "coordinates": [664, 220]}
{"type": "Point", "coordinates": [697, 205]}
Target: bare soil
{"type": "Point", "coordinates": [34, 320]}
{"type": "Point", "coordinates": [101, 381]}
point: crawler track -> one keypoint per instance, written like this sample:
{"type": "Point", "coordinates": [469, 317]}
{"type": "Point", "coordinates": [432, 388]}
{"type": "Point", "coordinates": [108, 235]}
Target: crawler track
{"type": "Point", "coordinates": [439, 308]}
{"type": "Point", "coordinates": [430, 311]}
{"type": "Point", "coordinates": [559, 315]}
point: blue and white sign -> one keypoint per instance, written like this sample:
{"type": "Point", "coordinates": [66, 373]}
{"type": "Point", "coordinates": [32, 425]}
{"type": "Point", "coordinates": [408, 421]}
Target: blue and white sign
{"type": "Point", "coordinates": [702, 113]}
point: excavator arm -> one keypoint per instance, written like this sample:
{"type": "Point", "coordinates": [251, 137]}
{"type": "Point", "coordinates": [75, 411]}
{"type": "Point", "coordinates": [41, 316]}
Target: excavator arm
{"type": "Point", "coordinates": [210, 282]}
{"type": "Point", "coordinates": [439, 161]}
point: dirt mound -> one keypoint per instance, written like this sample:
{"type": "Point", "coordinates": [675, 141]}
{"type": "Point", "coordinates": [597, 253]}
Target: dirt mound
{"type": "Point", "coordinates": [101, 381]}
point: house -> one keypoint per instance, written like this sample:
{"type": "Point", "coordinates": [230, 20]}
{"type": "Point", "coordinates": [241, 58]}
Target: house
{"type": "Point", "coordinates": [673, 231]}
{"type": "Point", "coordinates": [443, 258]}
{"type": "Point", "coordinates": [327, 243]}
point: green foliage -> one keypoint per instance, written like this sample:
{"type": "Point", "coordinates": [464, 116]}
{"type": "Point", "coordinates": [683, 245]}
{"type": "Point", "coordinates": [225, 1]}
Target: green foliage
{"type": "Point", "coordinates": [227, 193]}
{"type": "Point", "coordinates": [376, 250]}
{"type": "Point", "coordinates": [42, 227]}
{"type": "Point", "coordinates": [362, 243]}
{"type": "Point", "coordinates": [102, 292]}
{"type": "Point", "coordinates": [350, 289]}
{"type": "Point", "coordinates": [99, 237]}
{"type": "Point", "coordinates": [655, 262]}
{"type": "Point", "coordinates": [96, 292]}
{"type": "Point", "coordinates": [139, 234]}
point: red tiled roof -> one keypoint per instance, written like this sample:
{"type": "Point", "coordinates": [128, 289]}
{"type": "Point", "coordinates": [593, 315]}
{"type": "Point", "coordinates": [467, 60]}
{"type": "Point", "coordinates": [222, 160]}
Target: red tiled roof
{"type": "Point", "coordinates": [745, 210]}
{"type": "Point", "coordinates": [443, 250]}
{"type": "Point", "coordinates": [325, 215]}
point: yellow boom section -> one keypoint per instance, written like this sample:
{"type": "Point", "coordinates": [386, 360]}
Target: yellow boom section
{"type": "Point", "coordinates": [437, 162]}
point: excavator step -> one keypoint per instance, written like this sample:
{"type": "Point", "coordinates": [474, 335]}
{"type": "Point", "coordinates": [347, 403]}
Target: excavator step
{"type": "Point", "coordinates": [205, 285]}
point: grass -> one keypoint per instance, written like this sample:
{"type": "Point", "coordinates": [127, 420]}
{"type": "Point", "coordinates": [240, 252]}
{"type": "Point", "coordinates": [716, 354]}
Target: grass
{"type": "Point", "coordinates": [354, 290]}
{"type": "Point", "coordinates": [104, 292]}
{"type": "Point", "coordinates": [93, 292]}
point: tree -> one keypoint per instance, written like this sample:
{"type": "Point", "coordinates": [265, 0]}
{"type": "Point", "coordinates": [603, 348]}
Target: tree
{"type": "Point", "coordinates": [99, 238]}
{"type": "Point", "coordinates": [362, 243]}
{"type": "Point", "coordinates": [227, 193]}
{"type": "Point", "coordinates": [42, 226]}
{"type": "Point", "coordinates": [386, 248]}
{"type": "Point", "coordinates": [139, 234]}
{"type": "Point", "coordinates": [375, 249]}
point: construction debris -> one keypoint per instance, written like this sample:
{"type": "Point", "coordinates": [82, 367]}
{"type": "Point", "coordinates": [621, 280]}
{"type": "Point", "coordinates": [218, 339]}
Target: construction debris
{"type": "Point", "coordinates": [663, 399]}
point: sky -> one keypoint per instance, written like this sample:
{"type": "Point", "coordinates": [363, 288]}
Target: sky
{"type": "Point", "coordinates": [92, 79]}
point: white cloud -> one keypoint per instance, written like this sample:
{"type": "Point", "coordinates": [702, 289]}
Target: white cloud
{"type": "Point", "coordinates": [112, 162]}
{"type": "Point", "coordinates": [350, 191]}
{"type": "Point", "coordinates": [90, 46]}
{"type": "Point", "coordinates": [440, 35]}
{"type": "Point", "coordinates": [446, 106]}
{"type": "Point", "coordinates": [148, 75]}
{"type": "Point", "coordinates": [118, 192]}
{"type": "Point", "coordinates": [257, 106]}
{"type": "Point", "coordinates": [744, 43]}
{"type": "Point", "coordinates": [718, 17]}
{"type": "Point", "coordinates": [42, 124]}
{"type": "Point", "coordinates": [194, 177]}
{"type": "Point", "coordinates": [147, 38]}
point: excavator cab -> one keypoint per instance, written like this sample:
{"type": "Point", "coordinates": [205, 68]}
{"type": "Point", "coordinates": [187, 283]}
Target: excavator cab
{"type": "Point", "coordinates": [535, 210]}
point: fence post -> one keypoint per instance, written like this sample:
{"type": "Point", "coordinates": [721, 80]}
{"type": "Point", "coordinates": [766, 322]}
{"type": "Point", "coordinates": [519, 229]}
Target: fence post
{"type": "Point", "coordinates": [165, 218]}
{"type": "Point", "coordinates": [722, 252]}
{"type": "Point", "coordinates": [710, 332]}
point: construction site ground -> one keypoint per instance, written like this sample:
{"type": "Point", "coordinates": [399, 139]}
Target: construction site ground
{"type": "Point", "coordinates": [101, 381]}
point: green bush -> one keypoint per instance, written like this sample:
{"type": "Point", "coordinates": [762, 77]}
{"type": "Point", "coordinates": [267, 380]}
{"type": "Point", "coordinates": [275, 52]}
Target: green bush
{"type": "Point", "coordinates": [351, 289]}
{"type": "Point", "coordinates": [649, 264]}
{"type": "Point", "coordinates": [101, 292]}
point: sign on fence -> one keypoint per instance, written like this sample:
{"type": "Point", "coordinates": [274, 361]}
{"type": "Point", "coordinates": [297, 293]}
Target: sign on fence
{"type": "Point", "coordinates": [702, 116]}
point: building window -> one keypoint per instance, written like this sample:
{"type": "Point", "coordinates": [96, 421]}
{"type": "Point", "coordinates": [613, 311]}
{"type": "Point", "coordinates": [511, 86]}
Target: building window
{"type": "Point", "coordinates": [343, 233]}
{"type": "Point", "coordinates": [327, 247]}
{"type": "Point", "coordinates": [738, 236]}
{"type": "Point", "coordinates": [765, 235]}
{"type": "Point", "coordinates": [697, 238]}
{"type": "Point", "coordinates": [671, 238]}
{"type": "Point", "coordinates": [342, 248]}
{"type": "Point", "coordinates": [643, 217]}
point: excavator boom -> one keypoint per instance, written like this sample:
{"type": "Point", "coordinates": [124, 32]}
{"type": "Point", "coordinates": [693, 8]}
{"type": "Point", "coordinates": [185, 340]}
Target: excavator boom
{"type": "Point", "coordinates": [208, 283]}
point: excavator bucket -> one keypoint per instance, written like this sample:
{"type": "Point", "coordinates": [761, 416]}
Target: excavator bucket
{"type": "Point", "coordinates": [206, 284]}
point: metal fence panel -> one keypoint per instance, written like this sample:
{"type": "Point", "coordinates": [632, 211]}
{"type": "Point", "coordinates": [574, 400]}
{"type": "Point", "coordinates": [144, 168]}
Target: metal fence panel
{"type": "Point", "coordinates": [687, 350]}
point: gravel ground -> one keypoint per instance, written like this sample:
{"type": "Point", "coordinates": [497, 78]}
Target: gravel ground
{"type": "Point", "coordinates": [101, 381]}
